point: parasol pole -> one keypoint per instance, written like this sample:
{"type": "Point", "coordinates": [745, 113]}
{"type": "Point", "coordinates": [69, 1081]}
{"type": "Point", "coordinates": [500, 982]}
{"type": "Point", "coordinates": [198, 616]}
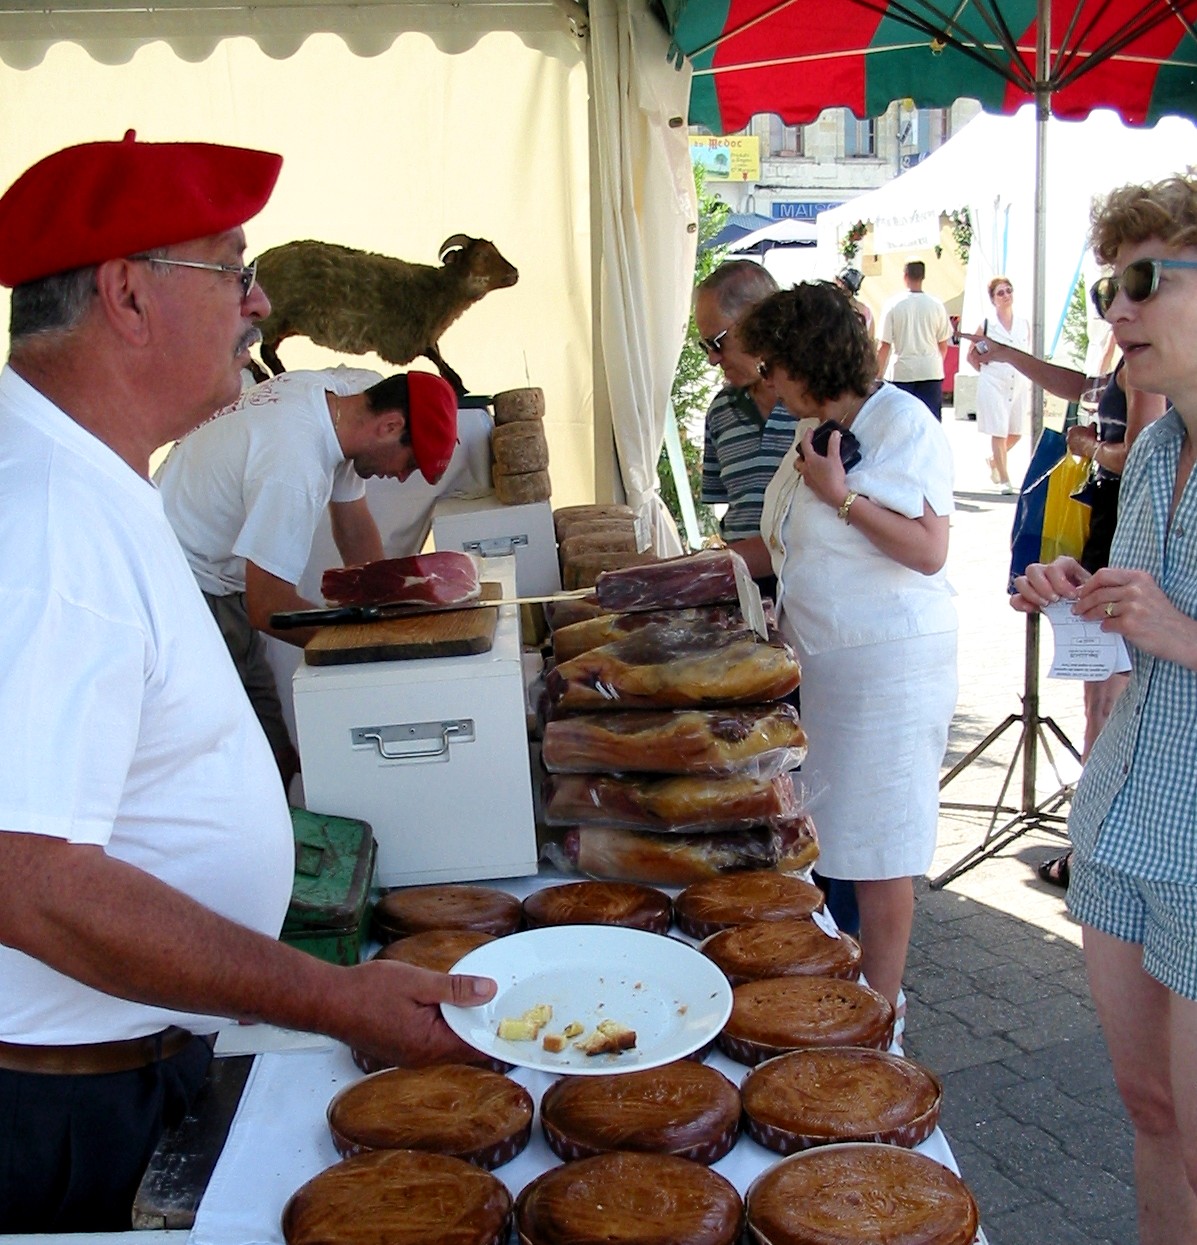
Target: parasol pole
{"type": "Point", "coordinates": [1031, 813]}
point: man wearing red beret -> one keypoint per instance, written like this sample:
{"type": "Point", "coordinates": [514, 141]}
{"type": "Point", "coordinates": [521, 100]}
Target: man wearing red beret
{"type": "Point", "coordinates": [245, 491]}
{"type": "Point", "coordinates": [146, 853]}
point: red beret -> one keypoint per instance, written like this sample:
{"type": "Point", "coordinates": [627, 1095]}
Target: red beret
{"type": "Point", "coordinates": [98, 201]}
{"type": "Point", "coordinates": [432, 418]}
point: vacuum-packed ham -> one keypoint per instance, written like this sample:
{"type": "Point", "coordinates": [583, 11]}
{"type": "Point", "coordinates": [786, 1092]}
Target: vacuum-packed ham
{"type": "Point", "coordinates": [703, 578]}
{"type": "Point", "coordinates": [590, 633]}
{"type": "Point", "coordinates": [680, 859]}
{"type": "Point", "coordinates": [666, 666]}
{"type": "Point", "coordinates": [446, 577]}
{"type": "Point", "coordinates": [565, 611]}
{"type": "Point", "coordinates": [762, 740]}
{"type": "Point", "coordinates": [672, 802]}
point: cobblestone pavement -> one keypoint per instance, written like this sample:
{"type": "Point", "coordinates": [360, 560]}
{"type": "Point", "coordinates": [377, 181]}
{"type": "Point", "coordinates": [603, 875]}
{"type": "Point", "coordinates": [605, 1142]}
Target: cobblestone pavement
{"type": "Point", "coordinates": [999, 1007]}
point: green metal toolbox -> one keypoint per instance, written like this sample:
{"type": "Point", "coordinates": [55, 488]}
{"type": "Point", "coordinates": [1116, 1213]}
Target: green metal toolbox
{"type": "Point", "coordinates": [334, 869]}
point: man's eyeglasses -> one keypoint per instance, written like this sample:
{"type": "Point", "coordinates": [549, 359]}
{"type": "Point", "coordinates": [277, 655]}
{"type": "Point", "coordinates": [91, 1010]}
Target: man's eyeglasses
{"type": "Point", "coordinates": [713, 345]}
{"type": "Point", "coordinates": [248, 275]}
{"type": "Point", "coordinates": [1139, 281]}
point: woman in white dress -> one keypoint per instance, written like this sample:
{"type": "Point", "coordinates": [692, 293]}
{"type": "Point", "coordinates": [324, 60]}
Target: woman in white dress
{"type": "Point", "coordinates": [859, 556]}
{"type": "Point", "coordinates": [1003, 393]}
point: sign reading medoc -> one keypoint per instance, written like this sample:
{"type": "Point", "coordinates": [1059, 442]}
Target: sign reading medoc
{"type": "Point", "coordinates": [730, 158]}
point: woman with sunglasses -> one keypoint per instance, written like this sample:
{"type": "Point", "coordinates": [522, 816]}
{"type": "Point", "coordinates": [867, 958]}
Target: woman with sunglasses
{"type": "Point", "coordinates": [859, 555]}
{"type": "Point", "coordinates": [1134, 818]}
{"type": "Point", "coordinates": [1003, 394]}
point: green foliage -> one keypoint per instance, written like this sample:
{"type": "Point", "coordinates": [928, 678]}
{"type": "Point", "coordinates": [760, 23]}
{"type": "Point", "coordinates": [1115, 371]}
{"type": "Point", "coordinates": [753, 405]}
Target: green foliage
{"type": "Point", "coordinates": [695, 382]}
{"type": "Point", "coordinates": [852, 240]}
{"type": "Point", "coordinates": [1076, 325]}
{"type": "Point", "coordinates": [962, 233]}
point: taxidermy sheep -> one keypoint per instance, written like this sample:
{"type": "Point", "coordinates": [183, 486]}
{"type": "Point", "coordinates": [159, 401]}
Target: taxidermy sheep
{"type": "Point", "coordinates": [356, 302]}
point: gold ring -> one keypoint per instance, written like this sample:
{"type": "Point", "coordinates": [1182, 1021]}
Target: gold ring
{"type": "Point", "coordinates": [1109, 609]}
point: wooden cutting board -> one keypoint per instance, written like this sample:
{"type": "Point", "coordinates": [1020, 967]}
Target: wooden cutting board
{"type": "Point", "coordinates": [454, 633]}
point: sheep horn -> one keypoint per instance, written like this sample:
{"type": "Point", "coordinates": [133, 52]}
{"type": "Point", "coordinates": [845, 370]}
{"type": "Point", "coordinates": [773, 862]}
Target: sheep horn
{"type": "Point", "coordinates": [458, 239]}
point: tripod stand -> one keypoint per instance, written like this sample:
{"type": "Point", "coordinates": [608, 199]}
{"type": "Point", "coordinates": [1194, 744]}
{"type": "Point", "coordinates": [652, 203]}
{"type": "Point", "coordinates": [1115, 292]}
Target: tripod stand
{"type": "Point", "coordinates": [1031, 813]}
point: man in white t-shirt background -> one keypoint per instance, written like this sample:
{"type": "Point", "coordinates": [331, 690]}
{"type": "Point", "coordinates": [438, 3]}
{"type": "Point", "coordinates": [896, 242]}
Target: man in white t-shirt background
{"type": "Point", "coordinates": [246, 491]}
{"type": "Point", "coordinates": [914, 337]}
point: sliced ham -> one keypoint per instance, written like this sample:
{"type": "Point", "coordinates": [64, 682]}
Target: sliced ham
{"type": "Point", "coordinates": [442, 578]}
{"type": "Point", "coordinates": [664, 666]}
{"type": "Point", "coordinates": [652, 802]}
{"type": "Point", "coordinates": [680, 859]}
{"type": "Point", "coordinates": [761, 739]}
{"type": "Point", "coordinates": [703, 578]}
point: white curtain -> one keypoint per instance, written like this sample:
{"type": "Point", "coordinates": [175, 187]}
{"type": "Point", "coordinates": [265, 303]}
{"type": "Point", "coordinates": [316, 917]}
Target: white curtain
{"type": "Point", "coordinates": [648, 218]}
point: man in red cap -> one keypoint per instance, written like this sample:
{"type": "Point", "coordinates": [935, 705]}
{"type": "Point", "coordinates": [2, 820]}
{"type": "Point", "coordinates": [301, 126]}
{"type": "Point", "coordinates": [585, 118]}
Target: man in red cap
{"type": "Point", "coordinates": [146, 852]}
{"type": "Point", "coordinates": [245, 491]}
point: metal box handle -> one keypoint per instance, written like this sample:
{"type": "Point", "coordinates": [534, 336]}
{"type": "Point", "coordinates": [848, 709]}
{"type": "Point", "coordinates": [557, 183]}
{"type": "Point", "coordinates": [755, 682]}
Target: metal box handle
{"type": "Point", "coordinates": [494, 546]}
{"type": "Point", "coordinates": [409, 741]}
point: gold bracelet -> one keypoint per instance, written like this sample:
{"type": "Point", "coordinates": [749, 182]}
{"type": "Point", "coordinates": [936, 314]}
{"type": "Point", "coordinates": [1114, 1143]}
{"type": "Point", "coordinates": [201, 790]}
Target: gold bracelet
{"type": "Point", "coordinates": [846, 505]}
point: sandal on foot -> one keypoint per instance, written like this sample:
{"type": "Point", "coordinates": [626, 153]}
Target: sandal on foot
{"type": "Point", "coordinates": [1056, 871]}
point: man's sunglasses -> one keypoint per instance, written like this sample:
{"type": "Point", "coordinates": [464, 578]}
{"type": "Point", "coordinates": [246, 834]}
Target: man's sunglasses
{"type": "Point", "coordinates": [713, 345]}
{"type": "Point", "coordinates": [1139, 281]}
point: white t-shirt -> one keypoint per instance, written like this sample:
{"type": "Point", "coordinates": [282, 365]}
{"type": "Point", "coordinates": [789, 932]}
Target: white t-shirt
{"type": "Point", "coordinates": [836, 589]}
{"type": "Point", "coordinates": [252, 482]}
{"type": "Point", "coordinates": [123, 719]}
{"type": "Point", "coordinates": [914, 326]}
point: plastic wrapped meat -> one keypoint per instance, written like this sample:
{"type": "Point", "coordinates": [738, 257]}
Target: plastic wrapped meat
{"type": "Point", "coordinates": [672, 802]}
{"type": "Point", "coordinates": [762, 740]}
{"type": "Point", "coordinates": [703, 578]}
{"type": "Point", "coordinates": [672, 667]}
{"type": "Point", "coordinates": [565, 611]}
{"type": "Point", "coordinates": [680, 859]}
{"type": "Point", "coordinates": [590, 633]}
{"type": "Point", "coordinates": [442, 578]}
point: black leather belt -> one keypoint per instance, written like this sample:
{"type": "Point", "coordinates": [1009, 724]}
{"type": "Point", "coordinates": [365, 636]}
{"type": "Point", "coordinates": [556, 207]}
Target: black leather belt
{"type": "Point", "coordinates": [94, 1058]}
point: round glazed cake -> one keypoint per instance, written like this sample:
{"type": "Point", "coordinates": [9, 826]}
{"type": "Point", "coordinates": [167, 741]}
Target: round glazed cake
{"type": "Point", "coordinates": [858, 1195]}
{"type": "Point", "coordinates": [437, 949]}
{"type": "Point", "coordinates": [789, 948]}
{"type": "Point", "coordinates": [739, 898]}
{"type": "Point", "coordinates": [399, 1196]}
{"type": "Point", "coordinates": [839, 1093]}
{"type": "Point", "coordinates": [625, 1198]}
{"type": "Point", "coordinates": [684, 1109]}
{"type": "Point", "coordinates": [791, 1013]}
{"type": "Point", "coordinates": [466, 1112]}
{"type": "Point", "coordinates": [600, 903]}
{"type": "Point", "coordinates": [414, 909]}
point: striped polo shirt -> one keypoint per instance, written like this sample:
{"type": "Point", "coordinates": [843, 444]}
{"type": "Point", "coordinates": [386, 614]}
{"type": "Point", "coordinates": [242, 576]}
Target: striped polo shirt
{"type": "Point", "coordinates": [1136, 804]}
{"type": "Point", "coordinates": [741, 453]}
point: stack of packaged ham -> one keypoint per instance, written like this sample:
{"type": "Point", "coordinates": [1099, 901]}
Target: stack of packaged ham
{"type": "Point", "coordinates": [593, 539]}
{"type": "Point", "coordinates": [667, 741]}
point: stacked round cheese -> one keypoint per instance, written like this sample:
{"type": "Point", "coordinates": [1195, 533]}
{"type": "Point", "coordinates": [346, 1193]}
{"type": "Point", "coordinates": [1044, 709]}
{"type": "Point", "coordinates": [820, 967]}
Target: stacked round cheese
{"type": "Point", "coordinates": [519, 447]}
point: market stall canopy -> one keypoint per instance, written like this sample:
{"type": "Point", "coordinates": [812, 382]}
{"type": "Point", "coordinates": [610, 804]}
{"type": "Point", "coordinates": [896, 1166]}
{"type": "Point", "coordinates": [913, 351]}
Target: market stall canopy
{"type": "Point", "coordinates": [798, 57]}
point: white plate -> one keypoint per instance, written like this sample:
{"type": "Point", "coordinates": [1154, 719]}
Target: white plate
{"type": "Point", "coordinates": [673, 996]}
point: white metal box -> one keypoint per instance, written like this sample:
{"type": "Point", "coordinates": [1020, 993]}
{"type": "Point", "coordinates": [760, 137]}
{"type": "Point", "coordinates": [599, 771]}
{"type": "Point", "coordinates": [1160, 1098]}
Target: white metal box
{"type": "Point", "coordinates": [433, 753]}
{"type": "Point", "coordinates": [484, 526]}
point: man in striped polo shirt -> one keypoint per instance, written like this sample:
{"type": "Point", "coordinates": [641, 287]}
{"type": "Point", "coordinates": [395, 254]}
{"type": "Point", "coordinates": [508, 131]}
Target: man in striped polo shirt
{"type": "Point", "coordinates": [748, 430]}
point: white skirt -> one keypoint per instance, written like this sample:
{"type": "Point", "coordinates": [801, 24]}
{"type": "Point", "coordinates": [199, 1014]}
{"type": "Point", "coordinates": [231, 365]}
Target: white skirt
{"type": "Point", "coordinates": [877, 720]}
{"type": "Point", "coordinates": [1003, 401]}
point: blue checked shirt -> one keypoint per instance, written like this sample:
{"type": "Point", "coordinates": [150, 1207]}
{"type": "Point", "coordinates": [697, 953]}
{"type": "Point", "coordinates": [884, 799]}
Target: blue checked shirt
{"type": "Point", "coordinates": [1136, 804]}
{"type": "Point", "coordinates": [741, 455]}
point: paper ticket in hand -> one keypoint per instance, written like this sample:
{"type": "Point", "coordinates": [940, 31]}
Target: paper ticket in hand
{"type": "Point", "coordinates": [1082, 649]}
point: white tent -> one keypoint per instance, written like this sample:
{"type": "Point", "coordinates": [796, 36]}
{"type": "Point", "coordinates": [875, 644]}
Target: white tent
{"type": "Point", "coordinates": [988, 167]}
{"type": "Point", "coordinates": [557, 133]}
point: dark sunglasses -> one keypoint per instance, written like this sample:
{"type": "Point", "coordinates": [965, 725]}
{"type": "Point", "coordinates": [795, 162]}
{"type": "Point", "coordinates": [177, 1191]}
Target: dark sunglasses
{"type": "Point", "coordinates": [1139, 281]}
{"type": "Point", "coordinates": [713, 345]}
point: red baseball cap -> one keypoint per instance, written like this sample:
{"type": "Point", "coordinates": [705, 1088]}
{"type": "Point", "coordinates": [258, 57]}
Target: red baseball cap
{"type": "Point", "coordinates": [432, 420]}
{"type": "Point", "coordinates": [98, 201]}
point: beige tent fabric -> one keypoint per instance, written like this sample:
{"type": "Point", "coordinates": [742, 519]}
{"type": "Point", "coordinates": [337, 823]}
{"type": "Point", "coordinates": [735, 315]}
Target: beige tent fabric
{"type": "Point", "coordinates": [648, 210]}
{"type": "Point", "coordinates": [393, 153]}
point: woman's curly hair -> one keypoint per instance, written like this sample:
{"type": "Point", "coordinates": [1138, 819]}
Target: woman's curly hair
{"type": "Point", "coordinates": [817, 336]}
{"type": "Point", "coordinates": [1165, 210]}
